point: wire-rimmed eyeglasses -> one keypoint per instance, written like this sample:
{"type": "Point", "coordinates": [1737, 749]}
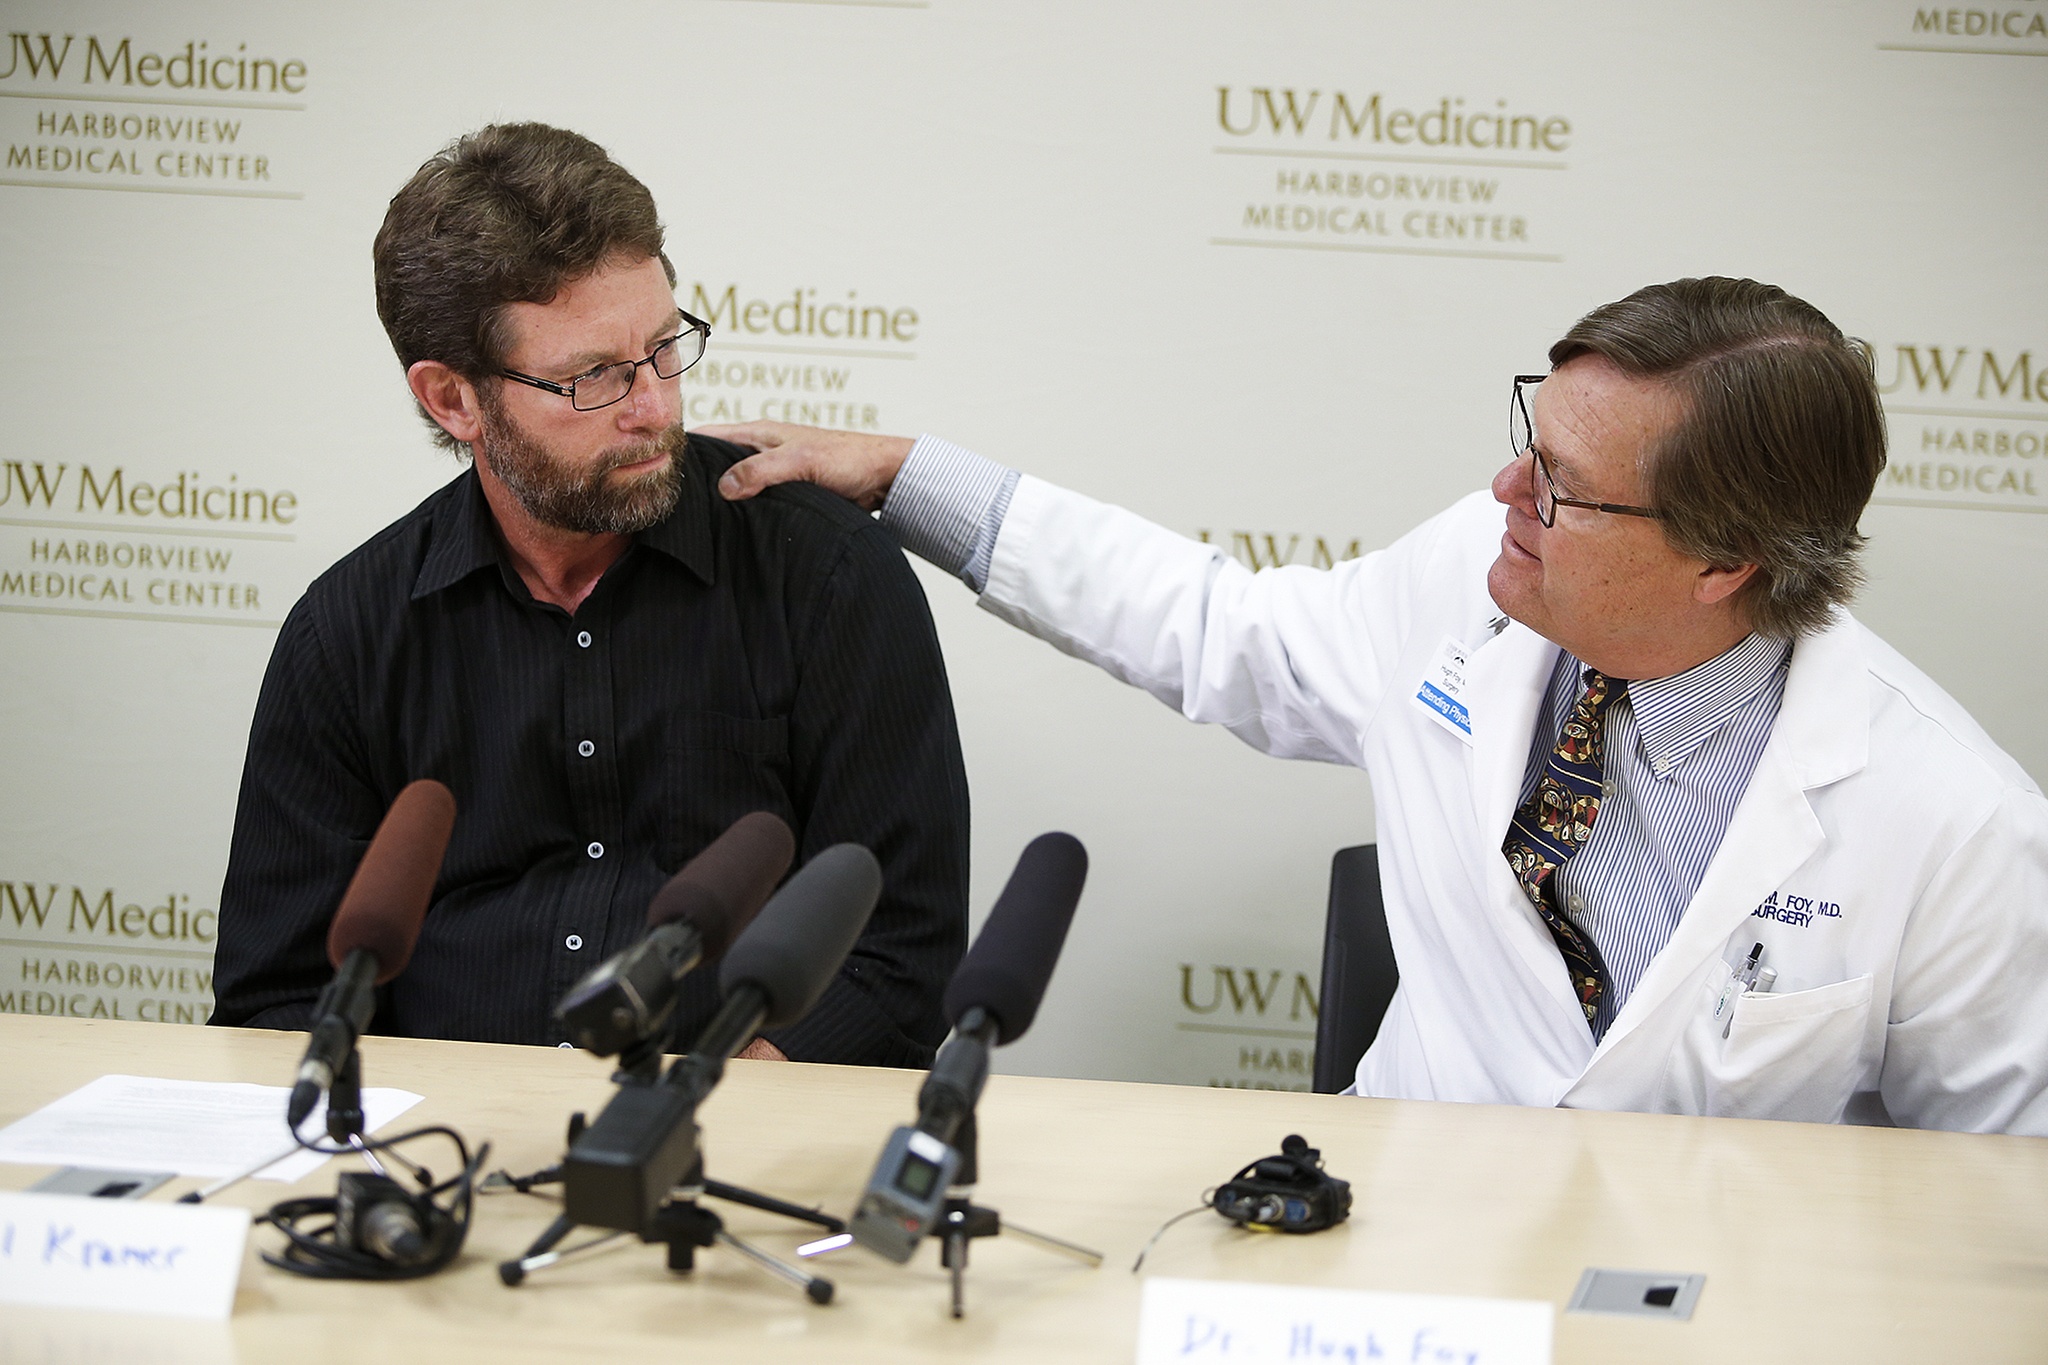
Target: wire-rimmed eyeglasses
{"type": "Point", "coordinates": [607, 384]}
{"type": "Point", "coordinates": [1522, 440]}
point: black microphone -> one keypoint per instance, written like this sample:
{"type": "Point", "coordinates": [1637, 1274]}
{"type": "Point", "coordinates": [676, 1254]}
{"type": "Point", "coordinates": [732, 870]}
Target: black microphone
{"type": "Point", "coordinates": [1005, 973]}
{"type": "Point", "coordinates": [621, 1167]}
{"type": "Point", "coordinates": [788, 956]}
{"type": "Point", "coordinates": [626, 1001]}
{"type": "Point", "coordinates": [991, 1000]}
{"type": "Point", "coordinates": [372, 936]}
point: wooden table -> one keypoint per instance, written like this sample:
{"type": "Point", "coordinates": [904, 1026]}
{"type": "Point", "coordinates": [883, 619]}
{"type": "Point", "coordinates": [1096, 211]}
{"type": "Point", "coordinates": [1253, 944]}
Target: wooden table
{"type": "Point", "coordinates": [1818, 1243]}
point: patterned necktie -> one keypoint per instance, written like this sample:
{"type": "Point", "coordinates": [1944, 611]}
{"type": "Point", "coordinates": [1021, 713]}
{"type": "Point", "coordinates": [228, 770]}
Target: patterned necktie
{"type": "Point", "coordinates": [1555, 822]}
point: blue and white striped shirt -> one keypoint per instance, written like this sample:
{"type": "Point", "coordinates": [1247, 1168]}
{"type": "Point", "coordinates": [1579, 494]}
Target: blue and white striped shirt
{"type": "Point", "coordinates": [947, 506]}
{"type": "Point", "coordinates": [1680, 750]}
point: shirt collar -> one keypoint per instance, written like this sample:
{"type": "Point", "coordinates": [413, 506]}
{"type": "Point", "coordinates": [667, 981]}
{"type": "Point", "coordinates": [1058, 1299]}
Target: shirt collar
{"type": "Point", "coordinates": [464, 538]}
{"type": "Point", "coordinates": [1675, 715]}
{"type": "Point", "coordinates": [685, 535]}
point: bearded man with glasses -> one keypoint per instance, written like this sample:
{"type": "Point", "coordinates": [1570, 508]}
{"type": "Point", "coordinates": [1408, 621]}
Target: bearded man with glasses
{"type": "Point", "coordinates": [1661, 826]}
{"type": "Point", "coordinates": [605, 662]}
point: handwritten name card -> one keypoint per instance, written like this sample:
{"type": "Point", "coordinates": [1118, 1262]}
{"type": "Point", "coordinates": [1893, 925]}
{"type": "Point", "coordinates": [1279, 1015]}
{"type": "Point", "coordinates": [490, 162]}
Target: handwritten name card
{"type": "Point", "coordinates": [66, 1251]}
{"type": "Point", "coordinates": [1186, 1321]}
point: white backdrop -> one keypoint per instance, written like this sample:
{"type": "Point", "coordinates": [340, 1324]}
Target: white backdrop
{"type": "Point", "coordinates": [1260, 271]}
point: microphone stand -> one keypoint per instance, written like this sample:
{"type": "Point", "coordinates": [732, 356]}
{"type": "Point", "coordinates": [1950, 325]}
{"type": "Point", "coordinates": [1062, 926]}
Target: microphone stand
{"type": "Point", "coordinates": [964, 1220]}
{"type": "Point", "coordinates": [345, 1115]}
{"type": "Point", "coordinates": [345, 1101]}
{"type": "Point", "coordinates": [680, 1221]}
{"type": "Point", "coordinates": [895, 1210]}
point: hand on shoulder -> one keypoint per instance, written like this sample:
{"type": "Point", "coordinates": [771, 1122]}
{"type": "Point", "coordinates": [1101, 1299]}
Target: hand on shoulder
{"type": "Point", "coordinates": [856, 466]}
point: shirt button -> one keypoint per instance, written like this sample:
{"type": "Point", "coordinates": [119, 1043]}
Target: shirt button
{"type": "Point", "coordinates": [573, 942]}
{"type": "Point", "coordinates": [586, 748]}
{"type": "Point", "coordinates": [1578, 905]}
{"type": "Point", "coordinates": [583, 639]}
{"type": "Point", "coordinates": [596, 850]}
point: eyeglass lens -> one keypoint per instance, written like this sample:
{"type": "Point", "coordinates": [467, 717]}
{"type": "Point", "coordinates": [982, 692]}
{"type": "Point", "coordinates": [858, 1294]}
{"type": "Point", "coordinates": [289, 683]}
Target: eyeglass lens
{"type": "Point", "coordinates": [1522, 438]}
{"type": "Point", "coordinates": [602, 388]}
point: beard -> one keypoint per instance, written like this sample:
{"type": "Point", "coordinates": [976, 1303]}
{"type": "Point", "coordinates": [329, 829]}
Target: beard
{"type": "Point", "coordinates": [585, 500]}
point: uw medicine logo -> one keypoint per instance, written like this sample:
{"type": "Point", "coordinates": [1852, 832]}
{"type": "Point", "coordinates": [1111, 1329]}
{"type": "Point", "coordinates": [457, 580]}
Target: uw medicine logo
{"type": "Point", "coordinates": [120, 112]}
{"type": "Point", "coordinates": [88, 952]}
{"type": "Point", "coordinates": [821, 357]}
{"type": "Point", "coordinates": [1363, 170]}
{"type": "Point", "coordinates": [1968, 426]}
{"type": "Point", "coordinates": [1258, 550]}
{"type": "Point", "coordinates": [111, 542]}
{"type": "Point", "coordinates": [1263, 1020]}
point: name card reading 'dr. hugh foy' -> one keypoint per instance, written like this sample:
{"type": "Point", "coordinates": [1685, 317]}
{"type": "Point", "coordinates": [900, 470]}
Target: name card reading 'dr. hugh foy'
{"type": "Point", "coordinates": [1202, 1320]}
{"type": "Point", "coordinates": [65, 1251]}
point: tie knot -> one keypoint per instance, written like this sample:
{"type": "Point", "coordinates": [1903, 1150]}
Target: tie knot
{"type": "Point", "coordinates": [1601, 690]}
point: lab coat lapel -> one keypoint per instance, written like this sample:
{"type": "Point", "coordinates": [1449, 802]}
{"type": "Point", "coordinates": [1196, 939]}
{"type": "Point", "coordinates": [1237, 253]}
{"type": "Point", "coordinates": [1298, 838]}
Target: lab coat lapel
{"type": "Point", "coordinates": [1508, 679]}
{"type": "Point", "coordinates": [1508, 675]}
{"type": "Point", "coordinates": [1822, 734]}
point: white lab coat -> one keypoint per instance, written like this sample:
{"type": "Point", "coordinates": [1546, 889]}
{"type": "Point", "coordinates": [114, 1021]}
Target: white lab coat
{"type": "Point", "coordinates": [1892, 860]}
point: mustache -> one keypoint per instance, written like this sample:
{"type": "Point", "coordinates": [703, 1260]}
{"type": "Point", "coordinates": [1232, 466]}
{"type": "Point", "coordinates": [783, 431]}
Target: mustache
{"type": "Point", "coordinates": [670, 442]}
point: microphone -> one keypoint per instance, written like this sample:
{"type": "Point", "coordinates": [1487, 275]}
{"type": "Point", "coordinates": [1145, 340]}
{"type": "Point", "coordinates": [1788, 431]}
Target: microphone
{"type": "Point", "coordinates": [624, 1164]}
{"type": "Point", "coordinates": [626, 1001]}
{"type": "Point", "coordinates": [1006, 972]}
{"type": "Point", "coordinates": [991, 1000]}
{"type": "Point", "coordinates": [373, 934]}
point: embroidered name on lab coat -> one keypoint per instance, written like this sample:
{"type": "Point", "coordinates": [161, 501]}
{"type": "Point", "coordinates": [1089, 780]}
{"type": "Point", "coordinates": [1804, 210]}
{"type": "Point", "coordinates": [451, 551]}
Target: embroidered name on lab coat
{"type": "Point", "coordinates": [1797, 911]}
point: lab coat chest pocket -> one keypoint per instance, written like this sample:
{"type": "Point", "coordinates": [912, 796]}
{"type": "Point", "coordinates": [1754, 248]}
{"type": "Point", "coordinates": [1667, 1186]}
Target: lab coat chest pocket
{"type": "Point", "coordinates": [1787, 1055]}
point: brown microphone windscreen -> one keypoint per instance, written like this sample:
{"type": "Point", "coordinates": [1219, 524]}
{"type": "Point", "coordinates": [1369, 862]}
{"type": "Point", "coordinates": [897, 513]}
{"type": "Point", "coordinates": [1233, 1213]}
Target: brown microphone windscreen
{"type": "Point", "coordinates": [719, 890]}
{"type": "Point", "coordinates": [382, 909]}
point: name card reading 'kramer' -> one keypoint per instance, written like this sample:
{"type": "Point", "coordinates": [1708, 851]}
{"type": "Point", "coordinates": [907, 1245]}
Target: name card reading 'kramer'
{"type": "Point", "coordinates": [67, 1251]}
{"type": "Point", "coordinates": [1213, 1320]}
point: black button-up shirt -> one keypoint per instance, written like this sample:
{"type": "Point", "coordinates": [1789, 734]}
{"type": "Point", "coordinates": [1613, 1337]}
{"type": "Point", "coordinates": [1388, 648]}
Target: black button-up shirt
{"type": "Point", "coordinates": [776, 654]}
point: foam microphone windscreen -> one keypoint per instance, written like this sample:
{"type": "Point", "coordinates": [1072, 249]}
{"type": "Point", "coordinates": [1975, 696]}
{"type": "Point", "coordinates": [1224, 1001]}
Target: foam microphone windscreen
{"type": "Point", "coordinates": [795, 945]}
{"type": "Point", "coordinates": [1007, 969]}
{"type": "Point", "coordinates": [719, 890]}
{"type": "Point", "coordinates": [385, 902]}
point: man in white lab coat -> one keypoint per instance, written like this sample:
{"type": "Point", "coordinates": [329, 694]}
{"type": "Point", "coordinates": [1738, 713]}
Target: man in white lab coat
{"type": "Point", "coordinates": [1661, 826]}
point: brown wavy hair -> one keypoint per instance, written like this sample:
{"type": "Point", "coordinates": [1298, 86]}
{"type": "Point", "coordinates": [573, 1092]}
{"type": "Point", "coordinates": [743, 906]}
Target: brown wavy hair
{"type": "Point", "coordinates": [511, 213]}
{"type": "Point", "coordinates": [1780, 445]}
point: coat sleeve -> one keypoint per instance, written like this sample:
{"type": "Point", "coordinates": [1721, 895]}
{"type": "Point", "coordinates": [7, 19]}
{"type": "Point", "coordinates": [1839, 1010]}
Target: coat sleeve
{"type": "Point", "coordinates": [1966, 1042]}
{"type": "Point", "coordinates": [1295, 661]}
{"type": "Point", "coordinates": [875, 760]}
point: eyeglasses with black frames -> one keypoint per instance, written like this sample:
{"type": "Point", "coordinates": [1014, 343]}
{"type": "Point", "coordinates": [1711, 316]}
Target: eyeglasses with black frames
{"type": "Point", "coordinates": [607, 384]}
{"type": "Point", "coordinates": [1522, 440]}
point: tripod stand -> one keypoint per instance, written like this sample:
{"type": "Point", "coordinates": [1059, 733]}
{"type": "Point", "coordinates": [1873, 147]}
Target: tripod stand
{"type": "Point", "coordinates": [884, 1218]}
{"type": "Point", "coordinates": [965, 1220]}
{"type": "Point", "coordinates": [685, 1225]}
{"type": "Point", "coordinates": [679, 1220]}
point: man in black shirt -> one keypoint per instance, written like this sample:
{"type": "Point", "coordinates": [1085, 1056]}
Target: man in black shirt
{"type": "Point", "coordinates": [606, 662]}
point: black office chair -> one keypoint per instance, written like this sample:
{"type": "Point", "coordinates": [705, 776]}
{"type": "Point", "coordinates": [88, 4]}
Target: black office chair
{"type": "Point", "coordinates": [1359, 973]}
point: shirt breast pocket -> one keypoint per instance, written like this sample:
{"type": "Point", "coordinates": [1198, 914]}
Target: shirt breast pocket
{"type": "Point", "coordinates": [720, 767]}
{"type": "Point", "coordinates": [1787, 1055]}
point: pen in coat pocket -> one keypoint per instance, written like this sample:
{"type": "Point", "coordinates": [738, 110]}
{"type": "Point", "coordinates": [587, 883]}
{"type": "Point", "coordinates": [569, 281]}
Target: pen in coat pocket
{"type": "Point", "coordinates": [1739, 981]}
{"type": "Point", "coordinates": [1760, 983]}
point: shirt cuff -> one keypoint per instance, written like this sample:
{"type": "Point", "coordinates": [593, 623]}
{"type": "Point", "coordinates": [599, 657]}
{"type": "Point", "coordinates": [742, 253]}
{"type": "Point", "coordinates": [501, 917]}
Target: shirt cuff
{"type": "Point", "coordinates": [947, 506]}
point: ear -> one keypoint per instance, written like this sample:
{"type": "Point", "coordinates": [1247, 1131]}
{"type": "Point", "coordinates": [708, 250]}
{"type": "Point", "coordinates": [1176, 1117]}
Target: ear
{"type": "Point", "coordinates": [448, 398]}
{"type": "Point", "coordinates": [1714, 585]}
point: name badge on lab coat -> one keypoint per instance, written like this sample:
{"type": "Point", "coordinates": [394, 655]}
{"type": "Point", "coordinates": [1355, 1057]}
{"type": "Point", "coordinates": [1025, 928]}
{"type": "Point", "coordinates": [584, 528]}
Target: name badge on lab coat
{"type": "Point", "coordinates": [1442, 694]}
